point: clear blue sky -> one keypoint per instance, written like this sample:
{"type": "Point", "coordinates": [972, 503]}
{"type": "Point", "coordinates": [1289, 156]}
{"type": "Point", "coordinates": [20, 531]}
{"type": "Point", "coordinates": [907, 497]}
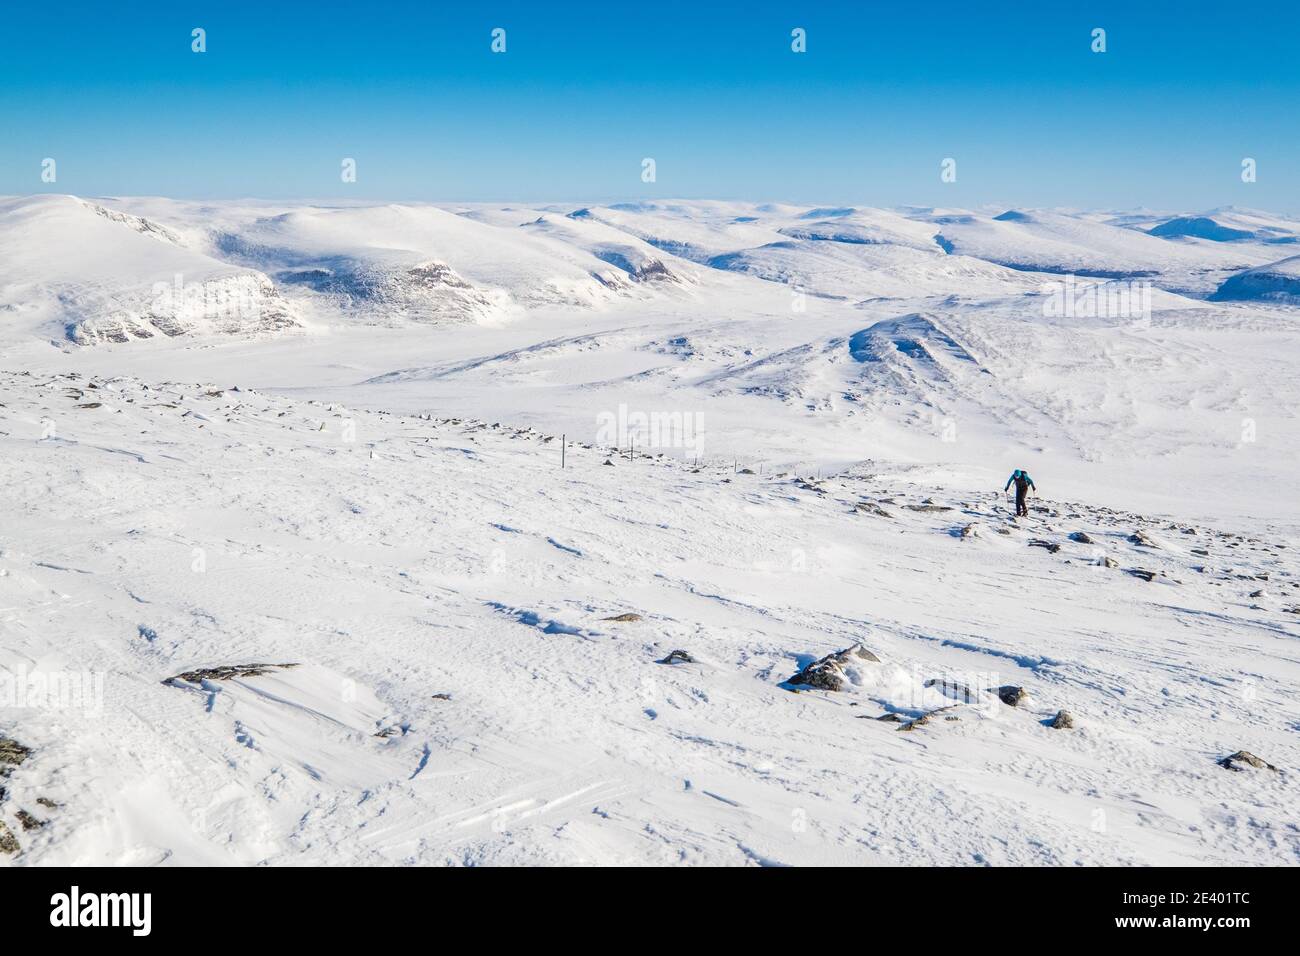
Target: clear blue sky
{"type": "Point", "coordinates": [710, 90]}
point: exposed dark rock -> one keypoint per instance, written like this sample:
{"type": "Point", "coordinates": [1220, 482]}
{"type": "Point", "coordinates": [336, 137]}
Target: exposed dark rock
{"type": "Point", "coordinates": [12, 752]}
{"type": "Point", "coordinates": [970, 531]}
{"type": "Point", "coordinates": [677, 657]}
{"type": "Point", "coordinates": [8, 842]}
{"type": "Point", "coordinates": [226, 672]}
{"type": "Point", "coordinates": [871, 508]}
{"type": "Point", "coordinates": [1011, 695]}
{"type": "Point", "coordinates": [47, 803]}
{"type": "Point", "coordinates": [890, 718]}
{"type": "Point", "coordinates": [1142, 573]}
{"type": "Point", "coordinates": [1141, 538]}
{"type": "Point", "coordinates": [1245, 757]}
{"type": "Point", "coordinates": [828, 673]}
{"type": "Point", "coordinates": [1063, 720]}
{"type": "Point", "coordinates": [1081, 537]}
{"type": "Point", "coordinates": [927, 507]}
{"type": "Point", "coordinates": [927, 717]}
{"type": "Point", "coordinates": [1051, 546]}
{"type": "Point", "coordinates": [624, 618]}
{"type": "Point", "coordinates": [28, 821]}
{"type": "Point", "coordinates": [1107, 562]}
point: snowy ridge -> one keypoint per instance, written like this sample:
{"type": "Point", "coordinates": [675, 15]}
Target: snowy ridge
{"type": "Point", "coordinates": [1276, 282]}
{"type": "Point", "coordinates": [78, 270]}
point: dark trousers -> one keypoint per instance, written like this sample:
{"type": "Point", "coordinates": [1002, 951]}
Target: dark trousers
{"type": "Point", "coordinates": [1021, 507]}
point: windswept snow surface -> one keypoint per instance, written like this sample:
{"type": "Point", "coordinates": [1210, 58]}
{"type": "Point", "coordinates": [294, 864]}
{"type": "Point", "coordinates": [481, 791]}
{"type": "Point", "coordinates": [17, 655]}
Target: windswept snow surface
{"type": "Point", "coordinates": [366, 501]}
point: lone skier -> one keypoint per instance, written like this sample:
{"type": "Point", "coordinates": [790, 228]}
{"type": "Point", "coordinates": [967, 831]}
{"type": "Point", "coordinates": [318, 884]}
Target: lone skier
{"type": "Point", "coordinates": [1023, 483]}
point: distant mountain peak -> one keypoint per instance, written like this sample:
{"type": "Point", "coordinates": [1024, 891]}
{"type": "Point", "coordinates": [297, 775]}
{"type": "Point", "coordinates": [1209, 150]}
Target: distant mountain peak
{"type": "Point", "coordinates": [1198, 227]}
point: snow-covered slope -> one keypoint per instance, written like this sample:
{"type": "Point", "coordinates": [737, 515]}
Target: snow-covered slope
{"type": "Point", "coordinates": [1225, 224]}
{"type": "Point", "coordinates": [74, 268]}
{"type": "Point", "coordinates": [489, 271]}
{"type": "Point", "coordinates": [1198, 227]}
{"type": "Point", "coordinates": [1277, 282]}
{"type": "Point", "coordinates": [1042, 241]}
{"type": "Point", "coordinates": [308, 634]}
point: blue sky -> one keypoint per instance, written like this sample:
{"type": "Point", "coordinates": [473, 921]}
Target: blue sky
{"type": "Point", "coordinates": [710, 90]}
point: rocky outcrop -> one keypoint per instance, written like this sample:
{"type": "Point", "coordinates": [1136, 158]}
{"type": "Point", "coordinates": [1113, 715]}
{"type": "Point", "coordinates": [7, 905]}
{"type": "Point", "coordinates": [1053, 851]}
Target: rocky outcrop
{"type": "Point", "coordinates": [12, 753]}
{"type": "Point", "coordinates": [1063, 720]}
{"type": "Point", "coordinates": [677, 657]}
{"type": "Point", "coordinates": [1244, 758]}
{"type": "Point", "coordinates": [1011, 695]}
{"type": "Point", "coordinates": [8, 842]}
{"type": "Point", "coordinates": [244, 303]}
{"type": "Point", "coordinates": [927, 717]}
{"type": "Point", "coordinates": [387, 293]}
{"type": "Point", "coordinates": [226, 672]}
{"type": "Point", "coordinates": [28, 821]}
{"type": "Point", "coordinates": [830, 673]}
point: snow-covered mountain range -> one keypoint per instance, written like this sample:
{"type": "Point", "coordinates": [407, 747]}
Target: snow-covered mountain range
{"type": "Point", "coordinates": [88, 270]}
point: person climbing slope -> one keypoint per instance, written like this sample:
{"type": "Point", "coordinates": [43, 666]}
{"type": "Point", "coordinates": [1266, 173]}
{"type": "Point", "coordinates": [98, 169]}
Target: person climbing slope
{"type": "Point", "coordinates": [1023, 483]}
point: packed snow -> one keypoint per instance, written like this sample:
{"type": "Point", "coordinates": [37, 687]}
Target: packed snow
{"type": "Point", "coordinates": [662, 532]}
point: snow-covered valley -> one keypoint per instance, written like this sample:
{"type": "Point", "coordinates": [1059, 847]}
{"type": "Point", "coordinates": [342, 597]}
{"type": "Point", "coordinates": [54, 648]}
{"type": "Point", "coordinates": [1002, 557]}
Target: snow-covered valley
{"type": "Point", "coordinates": [347, 459]}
